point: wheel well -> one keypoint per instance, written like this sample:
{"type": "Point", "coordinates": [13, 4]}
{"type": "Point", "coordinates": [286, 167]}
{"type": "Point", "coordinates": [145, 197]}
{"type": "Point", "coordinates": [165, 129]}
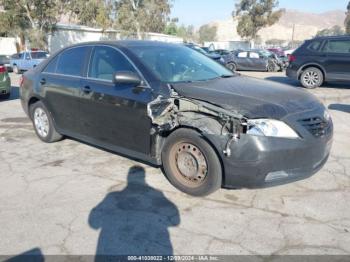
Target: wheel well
{"type": "Point", "coordinates": [308, 66]}
{"type": "Point", "coordinates": [203, 136]}
{"type": "Point", "coordinates": [32, 101]}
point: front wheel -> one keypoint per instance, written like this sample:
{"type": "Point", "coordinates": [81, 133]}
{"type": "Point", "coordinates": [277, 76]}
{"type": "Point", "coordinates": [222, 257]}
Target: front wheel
{"type": "Point", "coordinates": [43, 123]}
{"type": "Point", "coordinates": [191, 164]}
{"type": "Point", "coordinates": [312, 77]}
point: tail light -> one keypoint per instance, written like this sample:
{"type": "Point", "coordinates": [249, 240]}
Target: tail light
{"type": "Point", "coordinates": [2, 69]}
{"type": "Point", "coordinates": [21, 81]}
{"type": "Point", "coordinates": [292, 58]}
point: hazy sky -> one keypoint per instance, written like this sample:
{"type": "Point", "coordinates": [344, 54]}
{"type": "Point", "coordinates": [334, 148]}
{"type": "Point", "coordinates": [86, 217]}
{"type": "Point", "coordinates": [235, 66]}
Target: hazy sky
{"type": "Point", "coordinates": [198, 12]}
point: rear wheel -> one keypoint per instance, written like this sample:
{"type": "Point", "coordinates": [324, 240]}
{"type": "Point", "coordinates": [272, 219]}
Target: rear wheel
{"type": "Point", "coordinates": [312, 77]}
{"type": "Point", "coordinates": [43, 123]}
{"type": "Point", "coordinates": [191, 164]}
{"type": "Point", "coordinates": [6, 96]}
{"type": "Point", "coordinates": [232, 67]}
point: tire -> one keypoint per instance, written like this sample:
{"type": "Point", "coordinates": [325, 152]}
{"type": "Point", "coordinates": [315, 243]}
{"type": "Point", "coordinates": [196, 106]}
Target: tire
{"type": "Point", "coordinates": [6, 96]}
{"type": "Point", "coordinates": [232, 67]}
{"type": "Point", "coordinates": [311, 78]}
{"type": "Point", "coordinates": [191, 164]}
{"type": "Point", "coordinates": [43, 123]}
{"type": "Point", "coordinates": [15, 69]}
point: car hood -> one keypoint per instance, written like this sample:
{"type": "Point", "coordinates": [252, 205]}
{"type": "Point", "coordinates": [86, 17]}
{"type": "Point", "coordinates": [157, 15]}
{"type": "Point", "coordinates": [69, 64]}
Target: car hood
{"type": "Point", "coordinates": [214, 56]}
{"type": "Point", "coordinates": [250, 97]}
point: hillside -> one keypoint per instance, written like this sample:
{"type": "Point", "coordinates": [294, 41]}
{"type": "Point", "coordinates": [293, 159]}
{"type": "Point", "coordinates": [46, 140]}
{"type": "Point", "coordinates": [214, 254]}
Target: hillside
{"type": "Point", "coordinates": [306, 26]}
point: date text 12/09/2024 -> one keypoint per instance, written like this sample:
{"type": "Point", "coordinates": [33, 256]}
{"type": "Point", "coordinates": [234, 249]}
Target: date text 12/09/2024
{"type": "Point", "coordinates": [173, 258]}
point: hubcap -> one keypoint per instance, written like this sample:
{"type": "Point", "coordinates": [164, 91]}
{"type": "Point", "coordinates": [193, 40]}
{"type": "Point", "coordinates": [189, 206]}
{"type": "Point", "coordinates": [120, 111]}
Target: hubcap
{"type": "Point", "coordinates": [41, 122]}
{"type": "Point", "coordinates": [190, 165]}
{"type": "Point", "coordinates": [311, 78]}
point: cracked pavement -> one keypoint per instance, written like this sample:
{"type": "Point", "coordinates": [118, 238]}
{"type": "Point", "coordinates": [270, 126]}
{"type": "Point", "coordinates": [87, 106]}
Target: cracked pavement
{"type": "Point", "coordinates": [72, 198]}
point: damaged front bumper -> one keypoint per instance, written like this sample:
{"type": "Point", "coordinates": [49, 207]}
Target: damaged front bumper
{"type": "Point", "coordinates": [264, 161]}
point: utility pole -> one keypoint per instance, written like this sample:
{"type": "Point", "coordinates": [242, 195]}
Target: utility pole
{"type": "Point", "coordinates": [293, 32]}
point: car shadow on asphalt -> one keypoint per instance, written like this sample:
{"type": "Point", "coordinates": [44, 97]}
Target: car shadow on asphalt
{"type": "Point", "coordinates": [14, 94]}
{"type": "Point", "coordinates": [340, 107]}
{"type": "Point", "coordinates": [135, 220]}
{"type": "Point", "coordinates": [33, 255]}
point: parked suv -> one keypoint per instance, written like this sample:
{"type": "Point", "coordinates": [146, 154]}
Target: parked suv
{"type": "Point", "coordinates": [321, 59]}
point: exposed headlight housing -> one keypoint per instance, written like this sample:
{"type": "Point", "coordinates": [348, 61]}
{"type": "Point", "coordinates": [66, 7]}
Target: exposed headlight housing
{"type": "Point", "coordinates": [270, 128]}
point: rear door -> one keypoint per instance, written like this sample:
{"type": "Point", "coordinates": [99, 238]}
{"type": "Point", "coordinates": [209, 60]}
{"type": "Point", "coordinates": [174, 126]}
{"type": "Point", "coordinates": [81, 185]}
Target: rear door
{"type": "Point", "coordinates": [256, 61]}
{"type": "Point", "coordinates": [114, 115]}
{"type": "Point", "coordinates": [61, 86]}
{"type": "Point", "coordinates": [242, 61]}
{"type": "Point", "coordinates": [337, 63]}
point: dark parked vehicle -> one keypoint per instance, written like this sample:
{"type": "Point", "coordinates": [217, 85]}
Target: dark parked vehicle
{"type": "Point", "coordinates": [253, 60]}
{"type": "Point", "coordinates": [5, 61]}
{"type": "Point", "coordinates": [222, 52]}
{"type": "Point", "coordinates": [214, 56]}
{"type": "Point", "coordinates": [174, 107]}
{"type": "Point", "coordinates": [321, 59]}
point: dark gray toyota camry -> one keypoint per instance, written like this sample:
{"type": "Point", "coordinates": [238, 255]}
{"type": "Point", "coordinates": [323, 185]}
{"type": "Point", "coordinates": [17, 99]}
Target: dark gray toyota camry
{"type": "Point", "coordinates": [171, 106]}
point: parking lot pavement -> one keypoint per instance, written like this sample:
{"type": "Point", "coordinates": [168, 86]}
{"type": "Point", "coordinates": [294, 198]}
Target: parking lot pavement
{"type": "Point", "coordinates": [72, 198]}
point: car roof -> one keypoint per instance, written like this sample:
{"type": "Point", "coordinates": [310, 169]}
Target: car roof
{"type": "Point", "coordinates": [127, 43]}
{"type": "Point", "coordinates": [331, 37]}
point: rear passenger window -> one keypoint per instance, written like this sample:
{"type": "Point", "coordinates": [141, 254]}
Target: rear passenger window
{"type": "Point", "coordinates": [51, 67]}
{"type": "Point", "coordinates": [338, 46]}
{"type": "Point", "coordinates": [315, 45]}
{"type": "Point", "coordinates": [71, 61]}
{"type": "Point", "coordinates": [242, 55]}
{"type": "Point", "coordinates": [106, 61]}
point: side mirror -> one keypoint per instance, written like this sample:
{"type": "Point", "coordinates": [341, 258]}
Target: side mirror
{"type": "Point", "coordinates": [127, 77]}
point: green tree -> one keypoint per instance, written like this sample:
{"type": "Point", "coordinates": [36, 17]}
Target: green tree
{"type": "Point", "coordinates": [207, 33]}
{"type": "Point", "coordinates": [142, 16]}
{"type": "Point", "coordinates": [253, 15]}
{"type": "Point", "coordinates": [335, 30]}
{"type": "Point", "coordinates": [93, 13]}
{"type": "Point", "coordinates": [347, 20]}
{"type": "Point", "coordinates": [31, 18]}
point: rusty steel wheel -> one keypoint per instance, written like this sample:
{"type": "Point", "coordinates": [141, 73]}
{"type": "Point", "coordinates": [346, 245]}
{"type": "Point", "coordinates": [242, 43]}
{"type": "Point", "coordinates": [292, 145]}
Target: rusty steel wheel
{"type": "Point", "coordinates": [191, 164]}
{"type": "Point", "coordinates": [188, 163]}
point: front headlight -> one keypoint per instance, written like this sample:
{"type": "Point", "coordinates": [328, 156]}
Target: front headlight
{"type": "Point", "coordinates": [271, 128]}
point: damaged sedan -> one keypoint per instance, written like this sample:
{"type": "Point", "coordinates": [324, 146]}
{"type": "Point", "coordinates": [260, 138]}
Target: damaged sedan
{"type": "Point", "coordinates": [170, 106]}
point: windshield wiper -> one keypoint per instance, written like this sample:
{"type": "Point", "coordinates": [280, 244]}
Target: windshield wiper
{"type": "Point", "coordinates": [227, 76]}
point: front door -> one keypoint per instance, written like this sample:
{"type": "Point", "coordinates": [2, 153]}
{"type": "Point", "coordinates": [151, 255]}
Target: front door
{"type": "Point", "coordinates": [114, 115]}
{"type": "Point", "coordinates": [337, 63]}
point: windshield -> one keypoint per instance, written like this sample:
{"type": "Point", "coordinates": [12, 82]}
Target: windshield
{"type": "Point", "coordinates": [39, 55]}
{"type": "Point", "coordinates": [173, 64]}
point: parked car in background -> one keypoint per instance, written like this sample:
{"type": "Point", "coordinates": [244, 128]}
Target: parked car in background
{"type": "Point", "coordinates": [174, 107]}
{"type": "Point", "coordinates": [5, 83]}
{"type": "Point", "coordinates": [321, 59]}
{"type": "Point", "coordinates": [279, 52]}
{"type": "Point", "coordinates": [222, 52]}
{"type": "Point", "coordinates": [27, 60]}
{"type": "Point", "coordinates": [253, 60]}
{"type": "Point", "coordinates": [5, 61]}
{"type": "Point", "coordinates": [216, 57]}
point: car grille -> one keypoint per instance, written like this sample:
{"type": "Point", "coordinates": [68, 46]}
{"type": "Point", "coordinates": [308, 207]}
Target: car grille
{"type": "Point", "coordinates": [317, 126]}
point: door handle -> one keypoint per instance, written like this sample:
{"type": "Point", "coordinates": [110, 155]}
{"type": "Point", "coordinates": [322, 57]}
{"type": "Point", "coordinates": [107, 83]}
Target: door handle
{"type": "Point", "coordinates": [43, 81]}
{"type": "Point", "coordinates": [86, 89]}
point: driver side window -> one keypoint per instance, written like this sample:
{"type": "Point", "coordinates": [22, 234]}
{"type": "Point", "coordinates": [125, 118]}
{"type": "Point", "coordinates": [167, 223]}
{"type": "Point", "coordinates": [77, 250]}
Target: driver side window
{"type": "Point", "coordinates": [105, 61]}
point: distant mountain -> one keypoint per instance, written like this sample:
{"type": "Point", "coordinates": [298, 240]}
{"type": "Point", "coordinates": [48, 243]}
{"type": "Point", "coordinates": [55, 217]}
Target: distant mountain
{"type": "Point", "coordinates": [306, 25]}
